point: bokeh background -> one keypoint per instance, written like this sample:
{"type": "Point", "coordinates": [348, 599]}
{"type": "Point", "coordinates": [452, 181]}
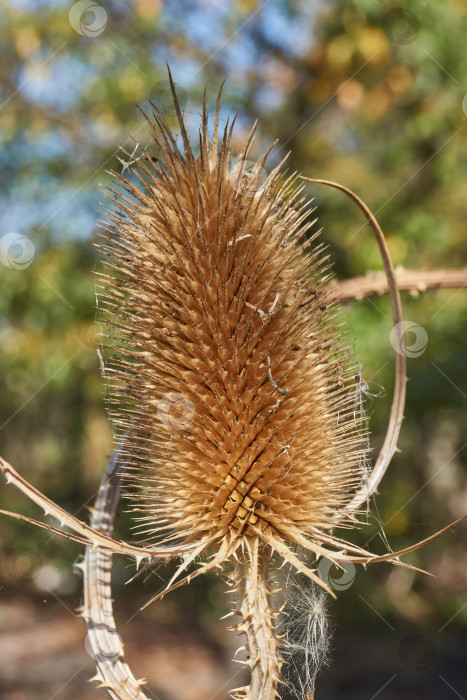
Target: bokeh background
{"type": "Point", "coordinates": [370, 93]}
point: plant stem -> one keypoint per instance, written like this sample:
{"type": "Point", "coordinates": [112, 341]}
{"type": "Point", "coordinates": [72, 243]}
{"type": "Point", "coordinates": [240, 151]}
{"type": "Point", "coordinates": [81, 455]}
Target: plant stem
{"type": "Point", "coordinates": [251, 577]}
{"type": "Point", "coordinates": [413, 281]}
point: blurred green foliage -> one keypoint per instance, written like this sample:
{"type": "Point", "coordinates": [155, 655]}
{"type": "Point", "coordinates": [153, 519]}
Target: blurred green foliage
{"type": "Point", "coordinates": [367, 93]}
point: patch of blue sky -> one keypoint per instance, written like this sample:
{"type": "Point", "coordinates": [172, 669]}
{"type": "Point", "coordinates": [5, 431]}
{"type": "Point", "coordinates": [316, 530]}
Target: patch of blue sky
{"type": "Point", "coordinates": [292, 34]}
{"type": "Point", "coordinates": [185, 71]}
{"type": "Point", "coordinates": [31, 210]}
{"type": "Point", "coordinates": [13, 153]}
{"type": "Point", "coordinates": [235, 48]}
{"type": "Point", "coordinates": [20, 216]}
{"type": "Point", "coordinates": [59, 84]}
{"type": "Point", "coordinates": [33, 5]}
{"type": "Point", "coordinates": [268, 99]}
{"type": "Point", "coordinates": [72, 213]}
{"type": "Point", "coordinates": [204, 26]}
{"type": "Point", "coordinates": [79, 220]}
{"type": "Point", "coordinates": [205, 31]}
{"type": "Point", "coordinates": [240, 58]}
{"type": "Point", "coordinates": [50, 145]}
{"type": "Point", "coordinates": [207, 27]}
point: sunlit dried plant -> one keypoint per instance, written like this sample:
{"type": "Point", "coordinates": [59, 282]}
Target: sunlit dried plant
{"type": "Point", "coordinates": [232, 393]}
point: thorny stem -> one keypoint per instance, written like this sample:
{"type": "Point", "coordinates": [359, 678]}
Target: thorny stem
{"type": "Point", "coordinates": [112, 671]}
{"type": "Point", "coordinates": [413, 281]}
{"type": "Point", "coordinates": [85, 533]}
{"type": "Point", "coordinates": [251, 577]}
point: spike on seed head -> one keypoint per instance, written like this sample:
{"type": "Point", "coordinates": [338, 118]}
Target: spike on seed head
{"type": "Point", "coordinates": [226, 364]}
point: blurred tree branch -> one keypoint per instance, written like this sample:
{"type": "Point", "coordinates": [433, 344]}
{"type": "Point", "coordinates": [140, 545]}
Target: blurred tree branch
{"type": "Point", "coordinates": [413, 281]}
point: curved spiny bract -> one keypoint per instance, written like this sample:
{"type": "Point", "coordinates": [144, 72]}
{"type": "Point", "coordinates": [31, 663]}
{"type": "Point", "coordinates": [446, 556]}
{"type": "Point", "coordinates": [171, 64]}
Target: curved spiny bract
{"type": "Point", "coordinates": [226, 365]}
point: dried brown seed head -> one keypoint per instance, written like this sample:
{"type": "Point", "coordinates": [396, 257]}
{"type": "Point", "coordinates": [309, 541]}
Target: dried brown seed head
{"type": "Point", "coordinates": [228, 365]}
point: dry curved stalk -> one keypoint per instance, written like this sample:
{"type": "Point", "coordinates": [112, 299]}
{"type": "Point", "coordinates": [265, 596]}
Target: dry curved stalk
{"type": "Point", "coordinates": [413, 281]}
{"type": "Point", "coordinates": [112, 671]}
{"type": "Point", "coordinates": [85, 533]}
{"type": "Point", "coordinates": [389, 447]}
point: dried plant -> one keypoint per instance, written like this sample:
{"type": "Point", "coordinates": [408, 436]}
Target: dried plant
{"type": "Point", "coordinates": [232, 393]}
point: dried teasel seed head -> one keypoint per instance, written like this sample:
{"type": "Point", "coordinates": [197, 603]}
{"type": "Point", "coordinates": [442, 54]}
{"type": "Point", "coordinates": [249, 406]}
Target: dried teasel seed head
{"type": "Point", "coordinates": [227, 364]}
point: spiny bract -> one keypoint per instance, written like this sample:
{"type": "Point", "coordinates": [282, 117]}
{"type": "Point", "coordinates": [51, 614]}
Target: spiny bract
{"type": "Point", "coordinates": [226, 367]}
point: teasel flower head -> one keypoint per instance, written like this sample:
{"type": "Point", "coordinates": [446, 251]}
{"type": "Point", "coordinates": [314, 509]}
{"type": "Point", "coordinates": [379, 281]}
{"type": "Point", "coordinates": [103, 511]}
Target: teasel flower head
{"type": "Point", "coordinates": [228, 368]}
